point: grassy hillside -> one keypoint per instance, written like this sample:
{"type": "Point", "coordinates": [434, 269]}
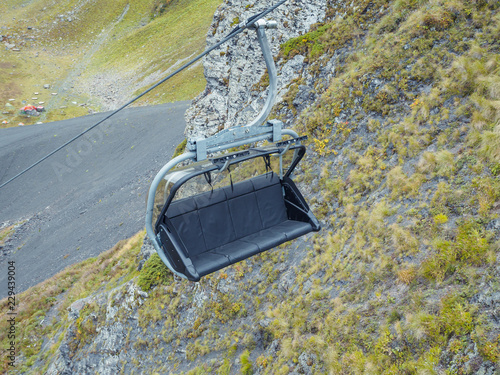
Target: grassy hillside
{"type": "Point", "coordinates": [96, 55]}
{"type": "Point", "coordinates": [408, 137]}
{"type": "Point", "coordinates": [36, 325]}
{"type": "Point", "coordinates": [403, 170]}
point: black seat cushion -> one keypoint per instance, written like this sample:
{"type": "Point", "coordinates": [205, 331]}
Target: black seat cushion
{"type": "Point", "coordinates": [209, 262]}
{"type": "Point", "coordinates": [293, 229]}
{"type": "Point", "coordinates": [216, 224]}
{"type": "Point", "coordinates": [210, 198]}
{"type": "Point", "coordinates": [251, 245]}
{"type": "Point", "coordinates": [266, 239]}
{"type": "Point", "coordinates": [271, 205]}
{"type": "Point", "coordinates": [227, 225]}
{"type": "Point", "coordinates": [245, 215]}
{"type": "Point", "coordinates": [238, 250]}
{"type": "Point", "coordinates": [181, 207]}
{"type": "Point", "coordinates": [189, 230]}
{"type": "Point", "coordinates": [238, 189]}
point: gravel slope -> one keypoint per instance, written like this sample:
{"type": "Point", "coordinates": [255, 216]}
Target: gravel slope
{"type": "Point", "coordinates": [83, 199]}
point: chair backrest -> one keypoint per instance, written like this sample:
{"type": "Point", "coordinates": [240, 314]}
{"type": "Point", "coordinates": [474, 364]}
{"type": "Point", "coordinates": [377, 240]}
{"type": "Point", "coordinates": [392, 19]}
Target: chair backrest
{"type": "Point", "coordinates": [216, 218]}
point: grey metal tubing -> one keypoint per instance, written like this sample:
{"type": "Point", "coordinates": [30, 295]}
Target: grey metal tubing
{"type": "Point", "coordinates": [261, 25]}
{"type": "Point", "coordinates": [290, 132]}
{"type": "Point", "coordinates": [170, 165]}
{"type": "Point", "coordinates": [150, 206]}
{"type": "Point", "coordinates": [257, 138]}
{"type": "Point", "coordinates": [281, 159]}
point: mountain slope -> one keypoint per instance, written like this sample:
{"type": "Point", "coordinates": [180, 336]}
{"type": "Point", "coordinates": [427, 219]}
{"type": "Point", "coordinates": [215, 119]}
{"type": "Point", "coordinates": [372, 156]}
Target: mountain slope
{"type": "Point", "coordinates": [95, 55]}
{"type": "Point", "coordinates": [400, 100]}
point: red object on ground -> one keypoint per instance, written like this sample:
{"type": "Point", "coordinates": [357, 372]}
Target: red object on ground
{"type": "Point", "coordinates": [28, 108]}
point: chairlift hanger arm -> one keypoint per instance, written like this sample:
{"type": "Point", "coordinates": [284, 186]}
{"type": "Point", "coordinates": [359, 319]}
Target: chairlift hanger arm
{"type": "Point", "coordinates": [254, 131]}
{"type": "Point", "coordinates": [250, 22]}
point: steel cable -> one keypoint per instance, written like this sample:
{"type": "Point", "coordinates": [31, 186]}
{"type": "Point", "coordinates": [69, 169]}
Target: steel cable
{"type": "Point", "coordinates": [242, 26]}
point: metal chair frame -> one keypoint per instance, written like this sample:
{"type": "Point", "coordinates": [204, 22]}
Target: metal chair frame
{"type": "Point", "coordinates": [200, 148]}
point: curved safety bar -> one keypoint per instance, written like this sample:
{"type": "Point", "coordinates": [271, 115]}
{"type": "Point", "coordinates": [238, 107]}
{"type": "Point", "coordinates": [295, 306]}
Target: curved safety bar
{"type": "Point", "coordinates": [150, 207]}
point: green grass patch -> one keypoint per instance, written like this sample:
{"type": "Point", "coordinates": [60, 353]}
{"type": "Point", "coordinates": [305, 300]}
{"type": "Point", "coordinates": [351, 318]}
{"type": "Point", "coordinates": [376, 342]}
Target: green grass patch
{"type": "Point", "coordinates": [169, 41]}
{"type": "Point", "coordinates": [180, 149]}
{"type": "Point", "coordinates": [6, 233]}
{"type": "Point", "coordinates": [153, 273]}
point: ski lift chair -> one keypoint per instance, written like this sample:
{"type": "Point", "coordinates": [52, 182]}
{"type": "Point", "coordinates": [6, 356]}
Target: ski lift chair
{"type": "Point", "coordinates": [218, 211]}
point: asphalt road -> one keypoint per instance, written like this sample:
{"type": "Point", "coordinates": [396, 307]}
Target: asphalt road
{"type": "Point", "coordinates": [85, 198]}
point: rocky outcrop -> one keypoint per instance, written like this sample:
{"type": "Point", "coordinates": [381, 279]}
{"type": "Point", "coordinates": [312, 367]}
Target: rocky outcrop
{"type": "Point", "coordinates": [231, 97]}
{"type": "Point", "coordinates": [98, 334]}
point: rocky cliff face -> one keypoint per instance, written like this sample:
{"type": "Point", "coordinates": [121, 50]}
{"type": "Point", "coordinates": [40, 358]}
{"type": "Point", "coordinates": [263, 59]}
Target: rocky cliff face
{"type": "Point", "coordinates": [232, 96]}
